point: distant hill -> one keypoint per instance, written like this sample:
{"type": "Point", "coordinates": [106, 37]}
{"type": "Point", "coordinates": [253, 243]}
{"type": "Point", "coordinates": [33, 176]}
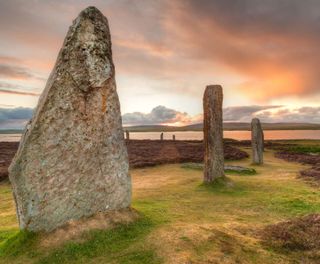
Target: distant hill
{"type": "Point", "coordinates": [198, 127]}
{"type": "Point", "coordinates": [226, 126]}
{"type": "Point", "coordinates": [11, 131]}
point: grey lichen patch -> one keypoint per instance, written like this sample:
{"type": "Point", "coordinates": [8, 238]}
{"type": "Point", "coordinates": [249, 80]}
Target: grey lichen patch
{"type": "Point", "coordinates": [72, 160]}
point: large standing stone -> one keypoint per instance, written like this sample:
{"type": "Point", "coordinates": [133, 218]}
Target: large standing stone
{"type": "Point", "coordinates": [213, 133]}
{"type": "Point", "coordinates": [72, 160]}
{"type": "Point", "coordinates": [257, 139]}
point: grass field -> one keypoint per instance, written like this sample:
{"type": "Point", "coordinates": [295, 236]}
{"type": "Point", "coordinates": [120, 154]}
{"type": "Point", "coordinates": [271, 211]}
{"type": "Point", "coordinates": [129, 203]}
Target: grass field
{"type": "Point", "coordinates": [182, 221]}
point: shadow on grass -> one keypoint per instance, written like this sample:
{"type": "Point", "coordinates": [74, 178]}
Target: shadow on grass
{"type": "Point", "coordinates": [224, 186]}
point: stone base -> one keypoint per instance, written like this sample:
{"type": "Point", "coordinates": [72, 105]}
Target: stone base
{"type": "Point", "coordinates": [74, 230]}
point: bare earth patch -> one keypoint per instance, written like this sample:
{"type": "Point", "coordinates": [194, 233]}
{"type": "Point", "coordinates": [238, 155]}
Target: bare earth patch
{"type": "Point", "coordinates": [75, 229]}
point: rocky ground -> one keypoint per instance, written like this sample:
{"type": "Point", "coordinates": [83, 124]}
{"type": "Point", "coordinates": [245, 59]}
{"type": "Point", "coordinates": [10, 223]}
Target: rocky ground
{"type": "Point", "coordinates": [142, 153]}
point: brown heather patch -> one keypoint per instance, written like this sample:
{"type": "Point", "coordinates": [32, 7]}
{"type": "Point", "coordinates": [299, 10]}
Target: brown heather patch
{"type": "Point", "coordinates": [302, 233]}
{"type": "Point", "coordinates": [144, 153]}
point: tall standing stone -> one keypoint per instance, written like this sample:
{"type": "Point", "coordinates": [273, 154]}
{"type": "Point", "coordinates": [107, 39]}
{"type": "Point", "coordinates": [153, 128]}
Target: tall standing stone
{"type": "Point", "coordinates": [161, 136]}
{"type": "Point", "coordinates": [127, 135]}
{"type": "Point", "coordinates": [72, 160]}
{"type": "Point", "coordinates": [213, 133]}
{"type": "Point", "coordinates": [257, 141]}
{"type": "Point", "coordinates": [174, 137]}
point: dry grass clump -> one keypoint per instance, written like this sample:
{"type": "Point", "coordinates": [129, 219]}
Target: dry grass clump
{"type": "Point", "coordinates": [302, 233]}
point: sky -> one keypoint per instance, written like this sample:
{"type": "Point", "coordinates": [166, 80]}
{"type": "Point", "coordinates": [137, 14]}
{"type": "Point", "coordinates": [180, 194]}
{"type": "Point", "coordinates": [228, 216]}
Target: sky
{"type": "Point", "coordinates": [265, 54]}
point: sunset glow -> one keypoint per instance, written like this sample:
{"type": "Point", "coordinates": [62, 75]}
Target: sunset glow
{"type": "Point", "coordinates": [263, 53]}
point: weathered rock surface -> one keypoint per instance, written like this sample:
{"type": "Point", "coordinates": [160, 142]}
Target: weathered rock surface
{"type": "Point", "coordinates": [257, 141]}
{"type": "Point", "coordinates": [213, 133]}
{"type": "Point", "coordinates": [72, 160]}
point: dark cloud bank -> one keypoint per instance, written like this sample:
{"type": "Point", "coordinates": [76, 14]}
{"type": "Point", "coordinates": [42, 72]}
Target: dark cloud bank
{"type": "Point", "coordinates": [162, 114]}
{"type": "Point", "coordinates": [16, 118]}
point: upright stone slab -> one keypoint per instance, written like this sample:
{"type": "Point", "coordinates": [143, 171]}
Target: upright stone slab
{"type": "Point", "coordinates": [127, 135]}
{"type": "Point", "coordinates": [161, 136]}
{"type": "Point", "coordinates": [72, 160]}
{"type": "Point", "coordinates": [213, 133]}
{"type": "Point", "coordinates": [257, 141]}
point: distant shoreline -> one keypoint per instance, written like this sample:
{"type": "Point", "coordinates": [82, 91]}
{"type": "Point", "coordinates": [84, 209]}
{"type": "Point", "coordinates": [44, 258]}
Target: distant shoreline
{"type": "Point", "coordinates": [198, 127]}
{"type": "Point", "coordinates": [230, 126]}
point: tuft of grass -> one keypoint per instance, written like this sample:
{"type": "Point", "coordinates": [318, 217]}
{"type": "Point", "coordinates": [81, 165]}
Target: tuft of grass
{"type": "Point", "coordinates": [293, 205]}
{"type": "Point", "coordinates": [140, 257]}
{"type": "Point", "coordinates": [20, 243]}
{"type": "Point", "coordinates": [304, 149]}
{"type": "Point", "coordinates": [6, 234]}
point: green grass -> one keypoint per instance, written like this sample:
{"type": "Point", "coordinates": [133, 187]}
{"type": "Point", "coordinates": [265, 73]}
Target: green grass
{"type": "Point", "coordinates": [305, 149]}
{"type": "Point", "coordinates": [111, 244]}
{"type": "Point", "coordinates": [19, 243]}
{"type": "Point", "coordinates": [182, 220]}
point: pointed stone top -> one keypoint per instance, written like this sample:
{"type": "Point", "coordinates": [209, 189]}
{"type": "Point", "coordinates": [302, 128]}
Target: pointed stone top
{"type": "Point", "coordinates": [255, 121]}
{"type": "Point", "coordinates": [91, 12]}
{"type": "Point", "coordinates": [86, 53]}
{"type": "Point", "coordinates": [90, 9]}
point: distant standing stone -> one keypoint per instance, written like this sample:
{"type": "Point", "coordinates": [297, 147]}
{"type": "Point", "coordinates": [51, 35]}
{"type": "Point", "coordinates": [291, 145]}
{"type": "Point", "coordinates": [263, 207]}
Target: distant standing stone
{"type": "Point", "coordinates": [161, 136]}
{"type": "Point", "coordinates": [213, 133]}
{"type": "Point", "coordinates": [174, 137]}
{"type": "Point", "coordinates": [257, 141]}
{"type": "Point", "coordinates": [127, 135]}
{"type": "Point", "coordinates": [72, 160]}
